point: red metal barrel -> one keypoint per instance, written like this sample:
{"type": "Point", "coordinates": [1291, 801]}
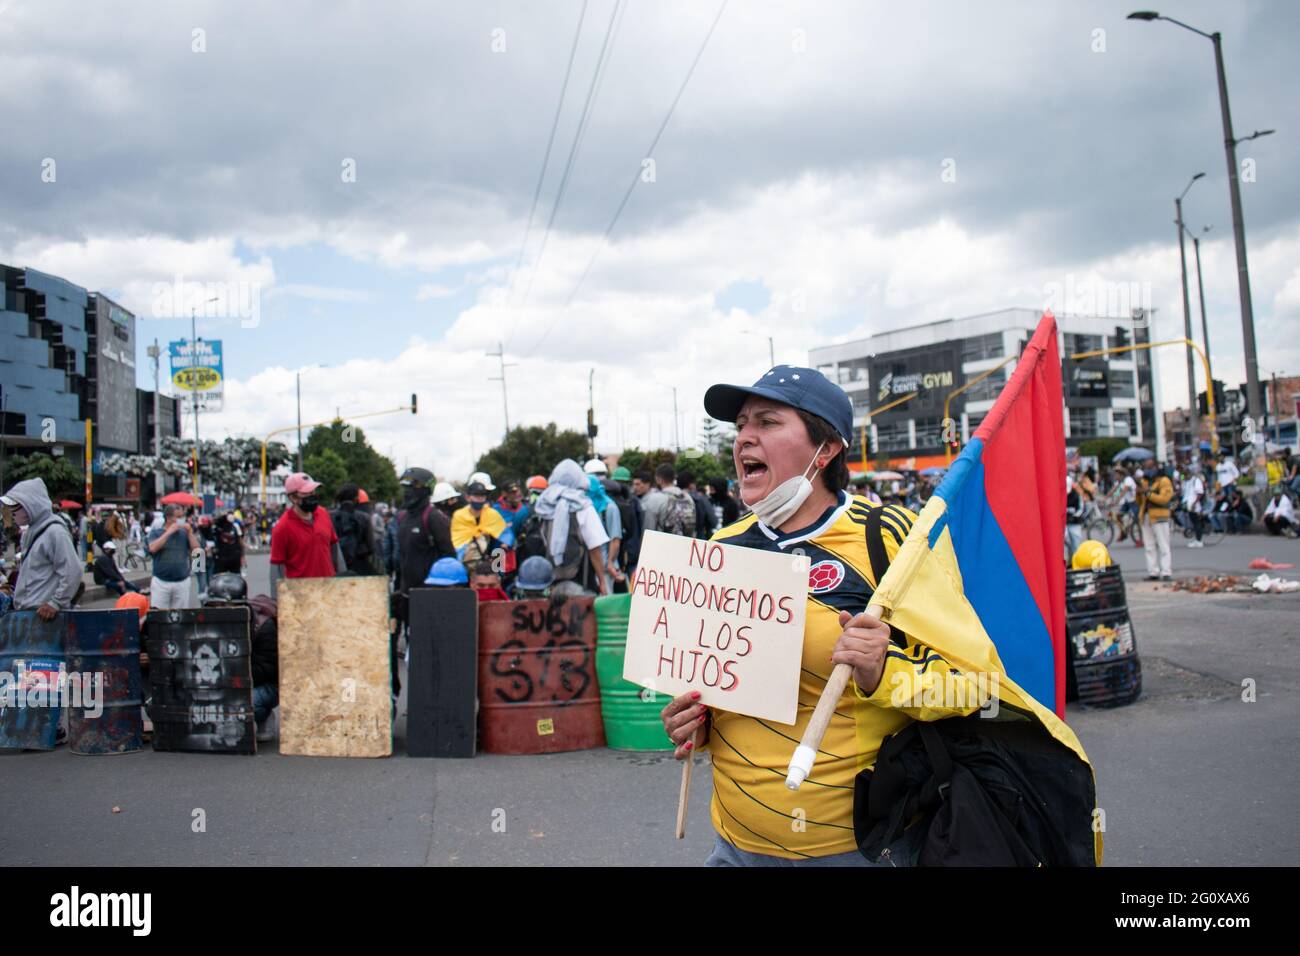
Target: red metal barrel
{"type": "Point", "coordinates": [538, 692]}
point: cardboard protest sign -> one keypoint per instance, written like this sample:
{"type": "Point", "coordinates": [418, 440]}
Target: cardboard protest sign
{"type": "Point", "coordinates": [720, 619]}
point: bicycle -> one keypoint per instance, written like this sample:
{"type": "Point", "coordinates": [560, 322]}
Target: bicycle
{"type": "Point", "coordinates": [136, 558]}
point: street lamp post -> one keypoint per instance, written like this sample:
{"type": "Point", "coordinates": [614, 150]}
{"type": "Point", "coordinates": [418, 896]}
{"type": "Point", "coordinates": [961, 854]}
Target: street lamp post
{"type": "Point", "coordinates": [194, 363]}
{"type": "Point", "coordinates": [298, 395]}
{"type": "Point", "coordinates": [1238, 227]}
{"type": "Point", "coordinates": [1187, 308]}
{"type": "Point", "coordinates": [771, 346]}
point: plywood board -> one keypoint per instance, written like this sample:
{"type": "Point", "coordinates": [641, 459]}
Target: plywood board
{"type": "Point", "coordinates": [335, 677]}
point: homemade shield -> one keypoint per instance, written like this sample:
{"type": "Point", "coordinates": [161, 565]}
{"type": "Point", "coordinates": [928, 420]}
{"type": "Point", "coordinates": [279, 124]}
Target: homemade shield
{"type": "Point", "coordinates": [335, 676]}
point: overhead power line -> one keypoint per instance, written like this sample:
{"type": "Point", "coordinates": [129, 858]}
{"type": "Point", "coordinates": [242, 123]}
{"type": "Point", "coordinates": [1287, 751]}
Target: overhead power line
{"type": "Point", "coordinates": [636, 176]}
{"type": "Point", "coordinates": [546, 158]}
{"type": "Point", "coordinates": [596, 77]}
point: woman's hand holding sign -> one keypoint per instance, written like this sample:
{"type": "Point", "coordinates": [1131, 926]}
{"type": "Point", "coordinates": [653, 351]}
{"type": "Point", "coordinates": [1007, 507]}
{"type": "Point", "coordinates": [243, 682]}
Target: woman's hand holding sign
{"type": "Point", "coordinates": [682, 717]}
{"type": "Point", "coordinates": [862, 646]}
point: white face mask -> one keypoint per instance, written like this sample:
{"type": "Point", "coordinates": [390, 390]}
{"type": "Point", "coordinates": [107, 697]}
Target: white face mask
{"type": "Point", "coordinates": [787, 497]}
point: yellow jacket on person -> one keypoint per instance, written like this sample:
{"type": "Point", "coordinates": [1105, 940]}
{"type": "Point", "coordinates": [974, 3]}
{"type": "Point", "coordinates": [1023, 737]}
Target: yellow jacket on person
{"type": "Point", "coordinates": [466, 525]}
{"type": "Point", "coordinates": [1155, 500]}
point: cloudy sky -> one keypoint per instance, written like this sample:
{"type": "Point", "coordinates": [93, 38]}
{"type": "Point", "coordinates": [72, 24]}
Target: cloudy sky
{"type": "Point", "coordinates": [365, 173]}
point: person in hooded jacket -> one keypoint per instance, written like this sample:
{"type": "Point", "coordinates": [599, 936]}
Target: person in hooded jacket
{"type": "Point", "coordinates": [50, 575]}
{"type": "Point", "coordinates": [563, 506]}
{"type": "Point", "coordinates": [228, 546]}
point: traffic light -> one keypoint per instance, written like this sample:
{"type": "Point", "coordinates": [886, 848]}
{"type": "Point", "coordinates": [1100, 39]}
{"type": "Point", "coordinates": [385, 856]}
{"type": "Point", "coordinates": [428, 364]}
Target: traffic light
{"type": "Point", "coordinates": [591, 423]}
{"type": "Point", "coordinates": [413, 405]}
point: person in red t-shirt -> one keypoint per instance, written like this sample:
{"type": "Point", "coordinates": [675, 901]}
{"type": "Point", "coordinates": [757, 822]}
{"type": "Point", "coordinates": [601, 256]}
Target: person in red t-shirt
{"type": "Point", "coordinates": [303, 542]}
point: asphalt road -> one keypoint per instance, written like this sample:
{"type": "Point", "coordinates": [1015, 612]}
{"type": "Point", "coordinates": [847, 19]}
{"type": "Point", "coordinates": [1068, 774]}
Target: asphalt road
{"type": "Point", "coordinates": [1189, 775]}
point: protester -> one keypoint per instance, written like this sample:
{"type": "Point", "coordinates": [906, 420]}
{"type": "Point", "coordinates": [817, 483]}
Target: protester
{"type": "Point", "coordinates": [511, 506]}
{"type": "Point", "coordinates": [1193, 496]}
{"type": "Point", "coordinates": [487, 583]}
{"type": "Point", "coordinates": [108, 573]}
{"type": "Point", "coordinates": [303, 541]}
{"type": "Point", "coordinates": [1073, 517]}
{"type": "Point", "coordinates": [631, 519]}
{"type": "Point", "coordinates": [1227, 471]}
{"type": "Point", "coordinates": [477, 531]}
{"type": "Point", "coordinates": [228, 546]}
{"type": "Point", "coordinates": [49, 578]}
{"type": "Point", "coordinates": [651, 499]}
{"type": "Point", "coordinates": [613, 521]}
{"type": "Point", "coordinates": [705, 521]}
{"type": "Point", "coordinates": [793, 429]}
{"type": "Point", "coordinates": [1154, 496]}
{"type": "Point", "coordinates": [355, 533]}
{"type": "Point", "coordinates": [447, 499]}
{"type": "Point", "coordinates": [677, 514]}
{"type": "Point", "coordinates": [423, 536]}
{"type": "Point", "coordinates": [228, 589]}
{"type": "Point", "coordinates": [447, 573]}
{"type": "Point", "coordinates": [725, 509]}
{"type": "Point", "coordinates": [567, 530]}
{"type": "Point", "coordinates": [1234, 511]}
{"type": "Point", "coordinates": [534, 580]}
{"type": "Point", "coordinates": [1279, 516]}
{"type": "Point", "coordinates": [172, 548]}
{"type": "Point", "coordinates": [536, 485]}
{"type": "Point", "coordinates": [597, 467]}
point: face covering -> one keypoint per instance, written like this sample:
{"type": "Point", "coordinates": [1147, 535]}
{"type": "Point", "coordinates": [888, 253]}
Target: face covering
{"type": "Point", "coordinates": [787, 497]}
{"type": "Point", "coordinates": [309, 504]}
{"type": "Point", "coordinates": [477, 505]}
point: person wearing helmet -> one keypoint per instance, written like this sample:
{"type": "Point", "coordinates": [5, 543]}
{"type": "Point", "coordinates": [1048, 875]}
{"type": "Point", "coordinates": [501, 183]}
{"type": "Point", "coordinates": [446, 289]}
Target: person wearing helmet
{"type": "Point", "coordinates": [477, 531]}
{"type": "Point", "coordinates": [231, 590]}
{"type": "Point", "coordinates": [423, 537]}
{"type": "Point", "coordinates": [447, 573]}
{"type": "Point", "coordinates": [228, 546]}
{"type": "Point", "coordinates": [482, 478]}
{"type": "Point", "coordinates": [534, 580]}
{"type": "Point", "coordinates": [447, 499]}
{"type": "Point", "coordinates": [595, 466]}
{"type": "Point", "coordinates": [536, 485]}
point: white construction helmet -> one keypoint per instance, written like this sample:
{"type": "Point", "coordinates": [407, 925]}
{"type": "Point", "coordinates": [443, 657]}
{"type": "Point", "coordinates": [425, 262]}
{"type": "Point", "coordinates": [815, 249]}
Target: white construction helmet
{"type": "Point", "coordinates": [483, 478]}
{"type": "Point", "coordinates": [595, 467]}
{"type": "Point", "coordinates": [443, 491]}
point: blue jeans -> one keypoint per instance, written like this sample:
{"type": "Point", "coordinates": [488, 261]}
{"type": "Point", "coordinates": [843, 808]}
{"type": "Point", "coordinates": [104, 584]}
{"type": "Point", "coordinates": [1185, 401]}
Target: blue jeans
{"type": "Point", "coordinates": [265, 698]}
{"type": "Point", "coordinates": [725, 854]}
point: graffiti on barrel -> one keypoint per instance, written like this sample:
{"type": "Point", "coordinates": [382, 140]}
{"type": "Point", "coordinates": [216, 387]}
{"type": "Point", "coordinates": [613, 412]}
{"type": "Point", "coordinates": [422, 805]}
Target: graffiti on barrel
{"type": "Point", "coordinates": [557, 670]}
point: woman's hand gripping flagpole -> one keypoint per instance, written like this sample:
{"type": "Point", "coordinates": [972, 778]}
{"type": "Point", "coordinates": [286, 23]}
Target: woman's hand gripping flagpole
{"type": "Point", "coordinates": [861, 650]}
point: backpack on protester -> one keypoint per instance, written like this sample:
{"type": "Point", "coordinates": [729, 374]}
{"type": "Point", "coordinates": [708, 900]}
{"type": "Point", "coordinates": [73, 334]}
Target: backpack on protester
{"type": "Point", "coordinates": [679, 516]}
{"type": "Point", "coordinates": [353, 540]}
{"type": "Point", "coordinates": [536, 543]}
{"type": "Point", "coordinates": [972, 791]}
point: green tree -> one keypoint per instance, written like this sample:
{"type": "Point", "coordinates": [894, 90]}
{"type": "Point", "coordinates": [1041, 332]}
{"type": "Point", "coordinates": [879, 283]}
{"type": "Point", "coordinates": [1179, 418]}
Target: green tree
{"type": "Point", "coordinates": [1103, 448]}
{"type": "Point", "coordinates": [329, 468]}
{"type": "Point", "coordinates": [532, 450]}
{"type": "Point", "coordinates": [634, 459]}
{"type": "Point", "coordinates": [62, 477]}
{"type": "Point", "coordinates": [704, 465]}
{"type": "Point", "coordinates": [361, 463]}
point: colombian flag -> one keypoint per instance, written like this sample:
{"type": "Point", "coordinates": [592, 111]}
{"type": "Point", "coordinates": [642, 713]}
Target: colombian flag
{"type": "Point", "coordinates": [980, 577]}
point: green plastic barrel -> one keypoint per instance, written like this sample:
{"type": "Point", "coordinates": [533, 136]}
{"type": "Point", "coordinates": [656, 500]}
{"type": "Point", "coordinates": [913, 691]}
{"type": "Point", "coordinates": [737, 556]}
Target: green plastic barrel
{"type": "Point", "coordinates": [631, 723]}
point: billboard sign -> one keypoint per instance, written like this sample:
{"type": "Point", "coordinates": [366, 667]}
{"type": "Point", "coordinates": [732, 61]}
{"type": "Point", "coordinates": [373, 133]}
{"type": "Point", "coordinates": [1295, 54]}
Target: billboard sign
{"type": "Point", "coordinates": [933, 371]}
{"type": "Point", "coordinates": [197, 375]}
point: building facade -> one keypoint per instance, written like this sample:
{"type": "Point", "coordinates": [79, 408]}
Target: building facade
{"type": "Point", "coordinates": [68, 356]}
{"type": "Point", "coordinates": [922, 390]}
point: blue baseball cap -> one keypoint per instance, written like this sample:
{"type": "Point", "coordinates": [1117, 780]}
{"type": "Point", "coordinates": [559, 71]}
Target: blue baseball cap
{"type": "Point", "coordinates": [803, 388]}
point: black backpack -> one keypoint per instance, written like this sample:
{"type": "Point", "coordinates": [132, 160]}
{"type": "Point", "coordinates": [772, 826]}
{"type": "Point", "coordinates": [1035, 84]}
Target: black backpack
{"type": "Point", "coordinates": [536, 538]}
{"type": "Point", "coordinates": [972, 791]}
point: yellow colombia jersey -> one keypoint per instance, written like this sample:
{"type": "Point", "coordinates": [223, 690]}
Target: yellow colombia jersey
{"type": "Point", "coordinates": [752, 808]}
